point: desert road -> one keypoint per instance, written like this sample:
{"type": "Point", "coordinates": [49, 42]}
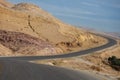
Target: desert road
{"type": "Point", "coordinates": [17, 68]}
{"type": "Point", "coordinates": [111, 42]}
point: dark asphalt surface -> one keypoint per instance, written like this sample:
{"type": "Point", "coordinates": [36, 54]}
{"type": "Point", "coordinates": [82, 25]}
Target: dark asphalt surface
{"type": "Point", "coordinates": [17, 68]}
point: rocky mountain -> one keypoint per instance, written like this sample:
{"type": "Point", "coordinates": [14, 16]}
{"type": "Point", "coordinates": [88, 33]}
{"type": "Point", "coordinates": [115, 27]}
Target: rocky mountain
{"type": "Point", "coordinates": [26, 29]}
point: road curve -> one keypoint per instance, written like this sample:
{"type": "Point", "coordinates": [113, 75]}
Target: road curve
{"type": "Point", "coordinates": [17, 68]}
{"type": "Point", "coordinates": [111, 42]}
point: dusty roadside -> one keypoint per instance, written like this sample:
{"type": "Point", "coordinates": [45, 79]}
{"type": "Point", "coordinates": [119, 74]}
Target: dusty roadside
{"type": "Point", "coordinates": [92, 62]}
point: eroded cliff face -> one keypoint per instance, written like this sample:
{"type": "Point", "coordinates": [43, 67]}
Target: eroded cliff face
{"type": "Point", "coordinates": [31, 20]}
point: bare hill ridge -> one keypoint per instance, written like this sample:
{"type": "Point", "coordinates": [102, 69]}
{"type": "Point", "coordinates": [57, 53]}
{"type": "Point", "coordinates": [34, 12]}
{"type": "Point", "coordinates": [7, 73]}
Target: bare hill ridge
{"type": "Point", "coordinates": [31, 20]}
{"type": "Point", "coordinates": [5, 3]}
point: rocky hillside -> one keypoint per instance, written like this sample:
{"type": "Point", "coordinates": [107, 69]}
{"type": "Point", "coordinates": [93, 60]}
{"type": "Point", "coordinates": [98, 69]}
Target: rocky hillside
{"type": "Point", "coordinates": [24, 44]}
{"type": "Point", "coordinates": [32, 25]}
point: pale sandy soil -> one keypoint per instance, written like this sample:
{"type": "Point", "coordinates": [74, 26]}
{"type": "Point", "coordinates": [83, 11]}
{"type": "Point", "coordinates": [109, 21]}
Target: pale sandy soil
{"type": "Point", "coordinates": [99, 58]}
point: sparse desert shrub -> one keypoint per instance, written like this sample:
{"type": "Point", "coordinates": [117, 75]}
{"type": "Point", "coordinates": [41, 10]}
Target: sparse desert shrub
{"type": "Point", "coordinates": [114, 62]}
{"type": "Point", "coordinates": [118, 78]}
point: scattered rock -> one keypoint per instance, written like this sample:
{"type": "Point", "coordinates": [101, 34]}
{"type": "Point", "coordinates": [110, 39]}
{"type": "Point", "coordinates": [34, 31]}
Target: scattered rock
{"type": "Point", "coordinates": [24, 43]}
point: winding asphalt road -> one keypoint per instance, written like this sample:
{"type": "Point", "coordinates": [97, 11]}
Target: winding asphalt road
{"type": "Point", "coordinates": [17, 68]}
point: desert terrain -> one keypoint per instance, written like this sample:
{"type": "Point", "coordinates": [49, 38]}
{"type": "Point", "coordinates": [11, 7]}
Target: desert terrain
{"type": "Point", "coordinates": [94, 62]}
{"type": "Point", "coordinates": [29, 20]}
{"type": "Point", "coordinates": [27, 30]}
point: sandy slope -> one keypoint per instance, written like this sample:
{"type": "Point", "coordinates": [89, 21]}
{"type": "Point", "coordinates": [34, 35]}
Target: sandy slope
{"type": "Point", "coordinates": [99, 59]}
{"type": "Point", "coordinates": [5, 3]}
{"type": "Point", "coordinates": [32, 20]}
